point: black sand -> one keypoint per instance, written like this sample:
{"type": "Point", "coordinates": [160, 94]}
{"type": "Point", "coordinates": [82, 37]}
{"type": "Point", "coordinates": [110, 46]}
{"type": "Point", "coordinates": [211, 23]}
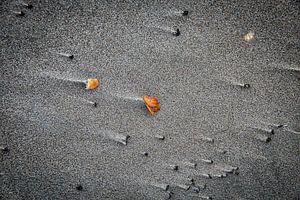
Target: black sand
{"type": "Point", "coordinates": [217, 133]}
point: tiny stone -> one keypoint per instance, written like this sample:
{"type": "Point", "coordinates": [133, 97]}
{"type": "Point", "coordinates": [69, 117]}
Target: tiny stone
{"type": "Point", "coordinates": [174, 167]}
{"type": "Point", "coordinates": [177, 33]}
{"type": "Point", "coordinates": [4, 149]}
{"type": "Point", "coordinates": [27, 5]}
{"type": "Point", "coordinates": [185, 13]}
{"type": "Point", "coordinates": [195, 189]}
{"type": "Point", "coordinates": [223, 151]}
{"type": "Point", "coordinates": [160, 137]}
{"type": "Point", "coordinates": [145, 154]}
{"type": "Point", "coordinates": [192, 180]}
{"type": "Point", "coordinates": [246, 85]}
{"type": "Point", "coordinates": [79, 187]}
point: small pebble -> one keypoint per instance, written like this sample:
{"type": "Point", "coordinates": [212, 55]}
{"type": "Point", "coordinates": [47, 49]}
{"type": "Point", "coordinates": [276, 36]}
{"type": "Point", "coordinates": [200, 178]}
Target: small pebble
{"type": "Point", "coordinates": [79, 187]}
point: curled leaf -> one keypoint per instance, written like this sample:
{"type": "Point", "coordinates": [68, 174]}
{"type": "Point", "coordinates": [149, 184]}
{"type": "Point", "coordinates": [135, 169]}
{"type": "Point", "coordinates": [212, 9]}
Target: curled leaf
{"type": "Point", "coordinates": [249, 36]}
{"type": "Point", "coordinates": [151, 104]}
{"type": "Point", "coordinates": [92, 83]}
